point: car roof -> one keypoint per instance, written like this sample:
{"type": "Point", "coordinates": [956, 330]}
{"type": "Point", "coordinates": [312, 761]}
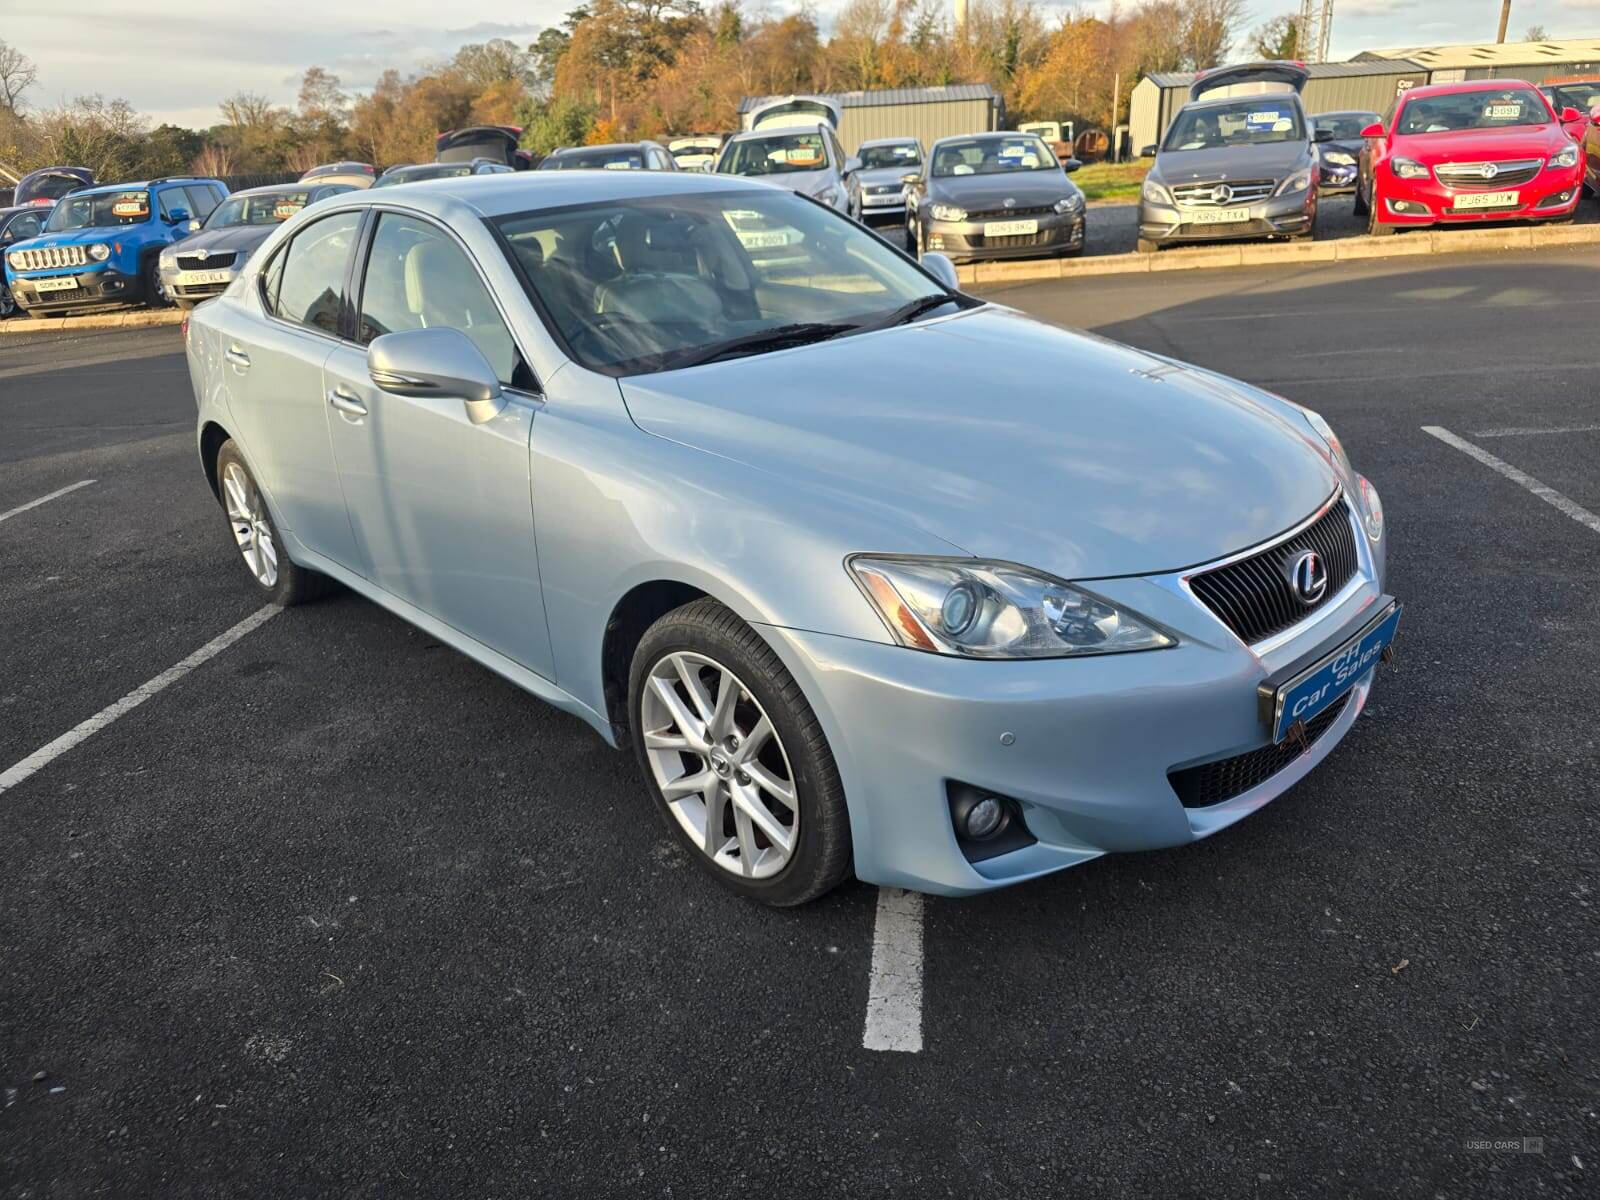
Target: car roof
{"type": "Point", "coordinates": [989, 135]}
{"type": "Point", "coordinates": [772, 131]}
{"type": "Point", "coordinates": [1345, 112]}
{"type": "Point", "coordinates": [1465, 86]}
{"type": "Point", "coordinates": [606, 148]}
{"type": "Point", "coordinates": [278, 189]}
{"type": "Point", "coordinates": [894, 141]}
{"type": "Point", "coordinates": [526, 191]}
{"type": "Point", "coordinates": [136, 184]}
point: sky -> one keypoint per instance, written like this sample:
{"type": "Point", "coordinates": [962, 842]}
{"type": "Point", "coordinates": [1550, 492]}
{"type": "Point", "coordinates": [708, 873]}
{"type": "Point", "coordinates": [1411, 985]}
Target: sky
{"type": "Point", "coordinates": [175, 59]}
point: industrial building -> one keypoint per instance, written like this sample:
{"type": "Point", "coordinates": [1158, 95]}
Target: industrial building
{"type": "Point", "coordinates": [1536, 62]}
{"type": "Point", "coordinates": [927, 113]}
{"type": "Point", "coordinates": [1333, 87]}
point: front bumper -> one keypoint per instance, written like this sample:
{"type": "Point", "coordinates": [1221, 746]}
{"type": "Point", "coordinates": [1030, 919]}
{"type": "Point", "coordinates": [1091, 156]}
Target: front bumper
{"type": "Point", "coordinates": [94, 287]}
{"type": "Point", "coordinates": [965, 241]}
{"type": "Point", "coordinates": [1550, 195]}
{"type": "Point", "coordinates": [1083, 746]}
{"type": "Point", "coordinates": [1292, 215]}
{"type": "Point", "coordinates": [884, 210]}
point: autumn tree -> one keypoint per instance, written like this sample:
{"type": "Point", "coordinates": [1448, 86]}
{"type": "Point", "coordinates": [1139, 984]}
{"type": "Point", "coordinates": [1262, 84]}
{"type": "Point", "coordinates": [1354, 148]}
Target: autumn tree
{"type": "Point", "coordinates": [1278, 38]}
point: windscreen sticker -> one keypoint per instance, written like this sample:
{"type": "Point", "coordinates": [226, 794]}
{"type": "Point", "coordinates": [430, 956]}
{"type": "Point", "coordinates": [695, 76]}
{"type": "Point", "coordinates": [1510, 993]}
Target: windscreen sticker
{"type": "Point", "coordinates": [130, 208]}
{"type": "Point", "coordinates": [619, 165]}
{"type": "Point", "coordinates": [285, 209]}
{"type": "Point", "coordinates": [1502, 112]}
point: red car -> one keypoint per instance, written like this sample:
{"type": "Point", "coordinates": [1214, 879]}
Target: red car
{"type": "Point", "coordinates": [1457, 153]}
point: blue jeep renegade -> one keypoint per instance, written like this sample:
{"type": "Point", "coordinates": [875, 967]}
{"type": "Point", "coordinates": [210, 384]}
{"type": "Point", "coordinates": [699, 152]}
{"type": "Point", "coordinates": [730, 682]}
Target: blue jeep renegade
{"type": "Point", "coordinates": [101, 246]}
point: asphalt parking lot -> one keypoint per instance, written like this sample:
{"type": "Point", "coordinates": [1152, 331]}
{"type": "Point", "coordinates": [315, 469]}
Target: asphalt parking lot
{"type": "Point", "coordinates": [337, 912]}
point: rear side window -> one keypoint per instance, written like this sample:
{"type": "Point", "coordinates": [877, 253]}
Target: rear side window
{"type": "Point", "coordinates": [305, 283]}
{"type": "Point", "coordinates": [419, 278]}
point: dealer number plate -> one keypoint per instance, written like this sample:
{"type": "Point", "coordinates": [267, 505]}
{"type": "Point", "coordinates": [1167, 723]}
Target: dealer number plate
{"type": "Point", "coordinates": [192, 277]}
{"type": "Point", "coordinates": [1318, 687]}
{"type": "Point", "coordinates": [1218, 216]}
{"type": "Point", "coordinates": [1009, 228]}
{"type": "Point", "coordinates": [56, 285]}
{"type": "Point", "coordinates": [1486, 200]}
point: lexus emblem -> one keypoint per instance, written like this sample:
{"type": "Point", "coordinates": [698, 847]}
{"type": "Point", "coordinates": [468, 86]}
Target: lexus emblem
{"type": "Point", "coordinates": [1222, 193]}
{"type": "Point", "coordinates": [1489, 170]}
{"type": "Point", "coordinates": [1309, 577]}
{"type": "Point", "coordinates": [1010, 202]}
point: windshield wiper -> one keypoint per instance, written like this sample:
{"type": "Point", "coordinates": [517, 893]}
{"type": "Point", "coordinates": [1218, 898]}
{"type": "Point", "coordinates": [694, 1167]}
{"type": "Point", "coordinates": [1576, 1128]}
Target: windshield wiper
{"type": "Point", "coordinates": [910, 312]}
{"type": "Point", "coordinates": [780, 337]}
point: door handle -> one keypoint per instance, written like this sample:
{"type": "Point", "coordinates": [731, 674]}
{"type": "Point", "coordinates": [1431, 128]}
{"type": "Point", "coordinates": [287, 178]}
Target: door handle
{"type": "Point", "coordinates": [237, 357]}
{"type": "Point", "coordinates": [347, 402]}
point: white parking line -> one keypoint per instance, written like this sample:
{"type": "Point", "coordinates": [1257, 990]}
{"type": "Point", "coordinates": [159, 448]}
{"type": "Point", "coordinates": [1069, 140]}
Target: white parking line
{"type": "Point", "coordinates": [1548, 494]}
{"type": "Point", "coordinates": [894, 998]}
{"type": "Point", "coordinates": [1529, 430]}
{"type": "Point", "coordinates": [81, 732]}
{"type": "Point", "coordinates": [57, 494]}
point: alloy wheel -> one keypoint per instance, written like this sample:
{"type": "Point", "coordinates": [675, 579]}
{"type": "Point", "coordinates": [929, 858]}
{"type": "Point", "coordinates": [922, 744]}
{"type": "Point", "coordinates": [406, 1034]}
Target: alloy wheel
{"type": "Point", "coordinates": [720, 765]}
{"type": "Point", "coordinates": [247, 513]}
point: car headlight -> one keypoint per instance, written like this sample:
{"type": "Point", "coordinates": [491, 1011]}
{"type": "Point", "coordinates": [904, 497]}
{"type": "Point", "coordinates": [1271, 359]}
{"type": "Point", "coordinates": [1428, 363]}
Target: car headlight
{"type": "Point", "coordinates": [99, 251]}
{"type": "Point", "coordinates": [169, 258]}
{"type": "Point", "coordinates": [1156, 193]}
{"type": "Point", "coordinates": [1567, 158]}
{"type": "Point", "coordinates": [974, 608]}
{"type": "Point", "coordinates": [948, 212]}
{"type": "Point", "coordinates": [1070, 204]}
{"type": "Point", "coordinates": [16, 262]}
{"type": "Point", "coordinates": [1325, 431]}
{"type": "Point", "coordinates": [1298, 182]}
{"type": "Point", "coordinates": [1338, 158]}
{"type": "Point", "coordinates": [1372, 506]}
{"type": "Point", "coordinates": [1408, 168]}
{"type": "Point", "coordinates": [827, 195]}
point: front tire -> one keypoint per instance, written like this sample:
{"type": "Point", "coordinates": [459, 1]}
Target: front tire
{"type": "Point", "coordinates": [1375, 227]}
{"type": "Point", "coordinates": [275, 576]}
{"type": "Point", "coordinates": [155, 294]}
{"type": "Point", "coordinates": [731, 750]}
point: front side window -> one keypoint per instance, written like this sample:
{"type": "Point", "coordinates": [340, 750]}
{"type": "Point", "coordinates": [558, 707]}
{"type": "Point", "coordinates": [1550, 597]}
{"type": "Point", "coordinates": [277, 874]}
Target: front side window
{"type": "Point", "coordinates": [901, 154]}
{"type": "Point", "coordinates": [417, 277]}
{"type": "Point", "coordinates": [100, 210]}
{"type": "Point", "coordinates": [655, 284]}
{"type": "Point", "coordinates": [306, 282]}
{"type": "Point", "coordinates": [1495, 109]}
{"type": "Point", "coordinates": [992, 156]}
{"type": "Point", "coordinates": [777, 154]}
{"type": "Point", "coordinates": [1256, 121]}
{"type": "Point", "coordinates": [1581, 96]}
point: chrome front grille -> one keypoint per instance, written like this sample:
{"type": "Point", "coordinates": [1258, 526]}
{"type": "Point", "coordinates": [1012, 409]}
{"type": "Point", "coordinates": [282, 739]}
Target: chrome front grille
{"type": "Point", "coordinates": [1254, 597]}
{"type": "Point", "coordinates": [211, 262]}
{"type": "Point", "coordinates": [1470, 177]}
{"type": "Point", "coordinates": [50, 256]}
{"type": "Point", "coordinates": [1007, 214]}
{"type": "Point", "coordinates": [1204, 195]}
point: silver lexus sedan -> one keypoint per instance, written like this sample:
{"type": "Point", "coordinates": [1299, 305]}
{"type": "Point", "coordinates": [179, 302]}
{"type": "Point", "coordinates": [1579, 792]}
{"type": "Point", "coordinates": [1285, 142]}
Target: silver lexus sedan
{"type": "Point", "coordinates": [625, 438]}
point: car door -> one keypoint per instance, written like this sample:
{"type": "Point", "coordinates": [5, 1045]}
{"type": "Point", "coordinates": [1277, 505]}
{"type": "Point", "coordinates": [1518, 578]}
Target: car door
{"type": "Point", "coordinates": [274, 373]}
{"type": "Point", "coordinates": [442, 508]}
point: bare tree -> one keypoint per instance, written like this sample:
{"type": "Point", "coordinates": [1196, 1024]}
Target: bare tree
{"type": "Point", "coordinates": [213, 162]}
{"type": "Point", "coordinates": [1209, 29]}
{"type": "Point", "coordinates": [17, 74]}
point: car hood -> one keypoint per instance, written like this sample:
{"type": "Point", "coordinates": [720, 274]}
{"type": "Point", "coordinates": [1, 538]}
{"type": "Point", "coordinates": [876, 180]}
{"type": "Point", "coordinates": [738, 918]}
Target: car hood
{"type": "Point", "coordinates": [75, 237]}
{"type": "Point", "coordinates": [1028, 189]}
{"type": "Point", "coordinates": [809, 182]}
{"type": "Point", "coordinates": [232, 237]}
{"type": "Point", "coordinates": [877, 176]}
{"type": "Point", "coordinates": [1008, 438]}
{"type": "Point", "coordinates": [1272, 160]}
{"type": "Point", "coordinates": [1475, 145]}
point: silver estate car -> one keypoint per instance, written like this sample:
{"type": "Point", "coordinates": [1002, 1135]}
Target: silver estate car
{"type": "Point", "coordinates": [1044, 598]}
{"type": "Point", "coordinates": [803, 158]}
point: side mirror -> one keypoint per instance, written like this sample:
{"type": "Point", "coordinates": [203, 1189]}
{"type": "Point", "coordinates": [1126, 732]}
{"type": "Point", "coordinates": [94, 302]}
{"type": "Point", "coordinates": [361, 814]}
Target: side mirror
{"type": "Point", "coordinates": [1570, 114]}
{"type": "Point", "coordinates": [1148, 152]}
{"type": "Point", "coordinates": [1070, 165]}
{"type": "Point", "coordinates": [177, 216]}
{"type": "Point", "coordinates": [1375, 130]}
{"type": "Point", "coordinates": [852, 165]}
{"type": "Point", "coordinates": [1322, 135]}
{"type": "Point", "coordinates": [942, 269]}
{"type": "Point", "coordinates": [911, 179]}
{"type": "Point", "coordinates": [436, 363]}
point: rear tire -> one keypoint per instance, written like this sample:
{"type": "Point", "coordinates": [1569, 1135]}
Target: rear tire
{"type": "Point", "coordinates": [765, 717]}
{"type": "Point", "coordinates": [255, 536]}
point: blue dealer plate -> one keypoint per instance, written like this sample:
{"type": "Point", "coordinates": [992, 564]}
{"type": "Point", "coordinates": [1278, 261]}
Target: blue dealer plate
{"type": "Point", "coordinates": [1314, 690]}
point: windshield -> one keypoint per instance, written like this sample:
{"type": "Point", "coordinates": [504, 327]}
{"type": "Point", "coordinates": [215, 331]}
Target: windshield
{"type": "Point", "coordinates": [779, 154]}
{"type": "Point", "coordinates": [99, 209]}
{"type": "Point", "coordinates": [267, 209]}
{"type": "Point", "coordinates": [992, 156]}
{"type": "Point", "coordinates": [425, 171]}
{"type": "Point", "coordinates": [1473, 110]}
{"type": "Point", "coordinates": [648, 285]}
{"type": "Point", "coordinates": [901, 154]}
{"type": "Point", "coordinates": [1581, 96]}
{"type": "Point", "coordinates": [1259, 120]}
{"type": "Point", "coordinates": [1345, 127]}
{"type": "Point", "coordinates": [626, 159]}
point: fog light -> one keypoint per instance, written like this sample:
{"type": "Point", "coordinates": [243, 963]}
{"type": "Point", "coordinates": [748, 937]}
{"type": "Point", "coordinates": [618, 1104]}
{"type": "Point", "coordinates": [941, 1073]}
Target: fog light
{"type": "Point", "coordinates": [984, 819]}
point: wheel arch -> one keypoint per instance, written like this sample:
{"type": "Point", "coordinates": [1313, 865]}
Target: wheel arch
{"type": "Point", "coordinates": [212, 437]}
{"type": "Point", "coordinates": [639, 608]}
